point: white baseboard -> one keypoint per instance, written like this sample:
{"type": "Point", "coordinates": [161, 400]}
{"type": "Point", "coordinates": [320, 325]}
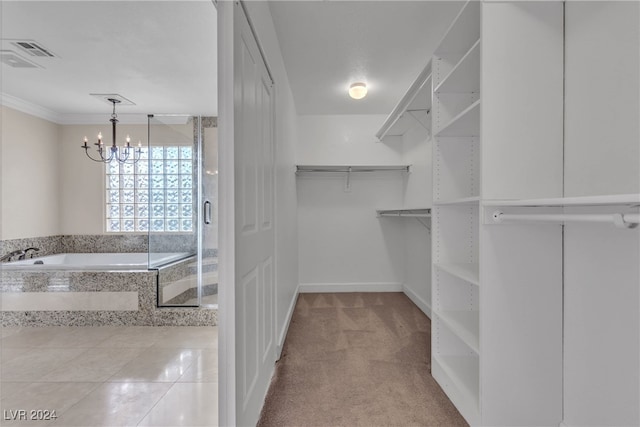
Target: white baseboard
{"type": "Point", "coordinates": [306, 288]}
{"type": "Point", "coordinates": [287, 322]}
{"type": "Point", "coordinates": [421, 303]}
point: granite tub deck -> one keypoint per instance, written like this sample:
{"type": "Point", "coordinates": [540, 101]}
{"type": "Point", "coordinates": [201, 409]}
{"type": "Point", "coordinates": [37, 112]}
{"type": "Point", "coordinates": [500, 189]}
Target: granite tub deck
{"type": "Point", "coordinates": [90, 298]}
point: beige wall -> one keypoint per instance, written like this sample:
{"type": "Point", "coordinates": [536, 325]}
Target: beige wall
{"type": "Point", "coordinates": [30, 176]}
{"type": "Point", "coordinates": [49, 186]}
{"type": "Point", "coordinates": [82, 182]}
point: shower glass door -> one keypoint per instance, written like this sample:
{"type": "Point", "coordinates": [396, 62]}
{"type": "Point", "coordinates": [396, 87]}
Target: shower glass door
{"type": "Point", "coordinates": [174, 208]}
{"type": "Point", "coordinates": [209, 227]}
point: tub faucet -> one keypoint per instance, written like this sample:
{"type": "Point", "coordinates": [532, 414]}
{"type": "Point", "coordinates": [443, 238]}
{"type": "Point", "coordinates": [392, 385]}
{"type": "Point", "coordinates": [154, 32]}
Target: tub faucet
{"type": "Point", "coordinates": [26, 252]}
{"type": "Point", "coordinates": [7, 257]}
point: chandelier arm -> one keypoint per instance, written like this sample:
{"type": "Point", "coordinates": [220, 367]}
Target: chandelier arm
{"type": "Point", "coordinates": [101, 160]}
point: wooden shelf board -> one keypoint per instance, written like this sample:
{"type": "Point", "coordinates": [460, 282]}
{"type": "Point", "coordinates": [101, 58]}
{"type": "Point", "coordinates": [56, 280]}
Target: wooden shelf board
{"type": "Point", "coordinates": [465, 271]}
{"type": "Point", "coordinates": [606, 200]}
{"type": "Point", "coordinates": [464, 324]}
{"type": "Point", "coordinates": [467, 123]}
{"type": "Point", "coordinates": [465, 75]}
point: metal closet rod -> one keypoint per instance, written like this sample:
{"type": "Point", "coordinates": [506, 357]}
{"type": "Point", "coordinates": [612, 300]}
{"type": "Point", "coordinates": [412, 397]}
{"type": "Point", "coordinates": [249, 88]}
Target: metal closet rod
{"type": "Point", "coordinates": [629, 220]}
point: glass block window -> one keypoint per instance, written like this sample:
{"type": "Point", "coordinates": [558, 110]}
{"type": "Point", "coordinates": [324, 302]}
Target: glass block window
{"type": "Point", "coordinates": [155, 194]}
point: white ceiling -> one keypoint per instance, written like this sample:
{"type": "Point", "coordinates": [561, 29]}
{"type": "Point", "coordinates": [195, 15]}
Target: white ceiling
{"type": "Point", "coordinates": [327, 45]}
{"type": "Point", "coordinates": [162, 55]}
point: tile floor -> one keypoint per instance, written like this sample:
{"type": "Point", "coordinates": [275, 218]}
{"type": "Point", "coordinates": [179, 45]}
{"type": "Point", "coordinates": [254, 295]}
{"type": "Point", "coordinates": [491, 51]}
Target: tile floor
{"type": "Point", "coordinates": [110, 376]}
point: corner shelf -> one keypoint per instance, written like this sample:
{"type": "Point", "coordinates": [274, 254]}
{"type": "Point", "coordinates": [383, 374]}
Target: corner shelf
{"type": "Point", "coordinates": [465, 124]}
{"type": "Point", "coordinates": [413, 108]}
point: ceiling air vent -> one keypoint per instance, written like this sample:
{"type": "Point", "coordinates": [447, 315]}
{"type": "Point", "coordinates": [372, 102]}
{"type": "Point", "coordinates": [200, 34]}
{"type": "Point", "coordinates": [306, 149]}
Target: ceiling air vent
{"type": "Point", "coordinates": [14, 60]}
{"type": "Point", "coordinates": [33, 48]}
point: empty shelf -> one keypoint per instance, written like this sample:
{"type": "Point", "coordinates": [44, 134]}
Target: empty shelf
{"type": "Point", "coordinates": [465, 76]}
{"type": "Point", "coordinates": [465, 271]}
{"type": "Point", "coordinates": [459, 377]}
{"type": "Point", "coordinates": [404, 212]}
{"type": "Point", "coordinates": [465, 124]}
{"type": "Point", "coordinates": [414, 107]}
{"type": "Point", "coordinates": [608, 200]}
{"type": "Point", "coordinates": [464, 324]}
{"type": "Point", "coordinates": [460, 201]}
{"type": "Point", "coordinates": [347, 168]}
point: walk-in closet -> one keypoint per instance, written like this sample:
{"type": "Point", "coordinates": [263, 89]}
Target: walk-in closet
{"type": "Point", "coordinates": [499, 191]}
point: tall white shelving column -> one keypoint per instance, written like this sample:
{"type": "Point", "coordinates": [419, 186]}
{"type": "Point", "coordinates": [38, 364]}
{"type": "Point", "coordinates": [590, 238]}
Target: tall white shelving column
{"type": "Point", "coordinates": [455, 222]}
{"type": "Point", "coordinates": [497, 292]}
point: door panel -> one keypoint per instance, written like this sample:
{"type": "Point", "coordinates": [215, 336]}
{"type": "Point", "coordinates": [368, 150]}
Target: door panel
{"type": "Point", "coordinates": [254, 234]}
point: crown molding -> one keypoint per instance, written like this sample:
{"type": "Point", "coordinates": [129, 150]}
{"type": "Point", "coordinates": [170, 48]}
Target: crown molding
{"type": "Point", "coordinates": [29, 108]}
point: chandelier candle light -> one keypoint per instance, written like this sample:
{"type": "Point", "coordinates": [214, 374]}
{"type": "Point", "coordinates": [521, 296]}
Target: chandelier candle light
{"type": "Point", "coordinates": [114, 152]}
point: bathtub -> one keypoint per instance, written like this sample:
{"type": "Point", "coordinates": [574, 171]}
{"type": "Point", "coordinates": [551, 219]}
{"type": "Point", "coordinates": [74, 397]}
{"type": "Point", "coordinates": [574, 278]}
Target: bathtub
{"type": "Point", "coordinates": [98, 289]}
{"type": "Point", "coordinates": [97, 261]}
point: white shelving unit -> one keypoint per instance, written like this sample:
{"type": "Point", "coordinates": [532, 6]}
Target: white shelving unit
{"type": "Point", "coordinates": [487, 337]}
{"type": "Point", "coordinates": [455, 284]}
{"type": "Point", "coordinates": [414, 109]}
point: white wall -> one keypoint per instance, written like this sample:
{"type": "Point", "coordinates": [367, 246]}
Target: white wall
{"type": "Point", "coordinates": [341, 240]}
{"type": "Point", "coordinates": [30, 176]}
{"type": "Point", "coordinates": [417, 237]}
{"type": "Point", "coordinates": [602, 156]}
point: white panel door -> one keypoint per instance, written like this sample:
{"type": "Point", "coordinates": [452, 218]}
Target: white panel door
{"type": "Point", "coordinates": [254, 231]}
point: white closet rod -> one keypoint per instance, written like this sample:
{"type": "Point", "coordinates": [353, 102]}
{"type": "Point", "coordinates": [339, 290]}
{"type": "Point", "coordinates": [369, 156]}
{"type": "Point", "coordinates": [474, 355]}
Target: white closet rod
{"type": "Point", "coordinates": [619, 220]}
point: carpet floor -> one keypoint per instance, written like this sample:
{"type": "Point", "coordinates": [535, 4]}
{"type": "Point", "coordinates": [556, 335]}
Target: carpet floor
{"type": "Point", "coordinates": [357, 359]}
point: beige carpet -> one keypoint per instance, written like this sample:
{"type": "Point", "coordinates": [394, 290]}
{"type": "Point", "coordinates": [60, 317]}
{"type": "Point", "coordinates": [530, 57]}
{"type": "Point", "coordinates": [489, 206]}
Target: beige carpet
{"type": "Point", "coordinates": [357, 359]}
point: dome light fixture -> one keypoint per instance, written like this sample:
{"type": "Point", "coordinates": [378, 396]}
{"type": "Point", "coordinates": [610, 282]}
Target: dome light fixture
{"type": "Point", "coordinates": [358, 90]}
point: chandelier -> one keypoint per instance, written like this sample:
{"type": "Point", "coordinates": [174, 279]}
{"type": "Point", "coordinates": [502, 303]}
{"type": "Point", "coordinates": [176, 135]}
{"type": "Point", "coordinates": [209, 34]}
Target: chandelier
{"type": "Point", "coordinates": [121, 155]}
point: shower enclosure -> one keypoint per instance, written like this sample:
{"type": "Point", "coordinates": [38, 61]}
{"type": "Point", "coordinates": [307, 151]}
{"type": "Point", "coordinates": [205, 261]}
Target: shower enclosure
{"type": "Point", "coordinates": [182, 208]}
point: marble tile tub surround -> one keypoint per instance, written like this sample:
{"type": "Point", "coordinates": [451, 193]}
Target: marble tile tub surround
{"type": "Point", "coordinates": [144, 283]}
{"type": "Point", "coordinates": [101, 243]}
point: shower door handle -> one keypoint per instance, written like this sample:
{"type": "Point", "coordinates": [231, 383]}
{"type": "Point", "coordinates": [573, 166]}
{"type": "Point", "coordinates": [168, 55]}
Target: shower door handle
{"type": "Point", "coordinates": [207, 212]}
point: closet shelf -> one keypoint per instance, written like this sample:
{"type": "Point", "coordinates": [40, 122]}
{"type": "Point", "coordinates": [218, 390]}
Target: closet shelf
{"type": "Point", "coordinates": [465, 124]}
{"type": "Point", "coordinates": [462, 33]}
{"type": "Point", "coordinates": [405, 213]}
{"type": "Point", "coordinates": [460, 201]}
{"type": "Point", "coordinates": [465, 75]}
{"type": "Point", "coordinates": [348, 169]}
{"type": "Point", "coordinates": [629, 200]}
{"type": "Point", "coordinates": [413, 108]}
{"type": "Point", "coordinates": [466, 271]}
{"type": "Point", "coordinates": [464, 324]}
{"type": "Point", "coordinates": [464, 373]}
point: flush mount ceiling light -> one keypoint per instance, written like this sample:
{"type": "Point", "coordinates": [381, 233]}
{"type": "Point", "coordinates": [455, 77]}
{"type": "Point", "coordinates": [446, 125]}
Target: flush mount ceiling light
{"type": "Point", "coordinates": [358, 90]}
